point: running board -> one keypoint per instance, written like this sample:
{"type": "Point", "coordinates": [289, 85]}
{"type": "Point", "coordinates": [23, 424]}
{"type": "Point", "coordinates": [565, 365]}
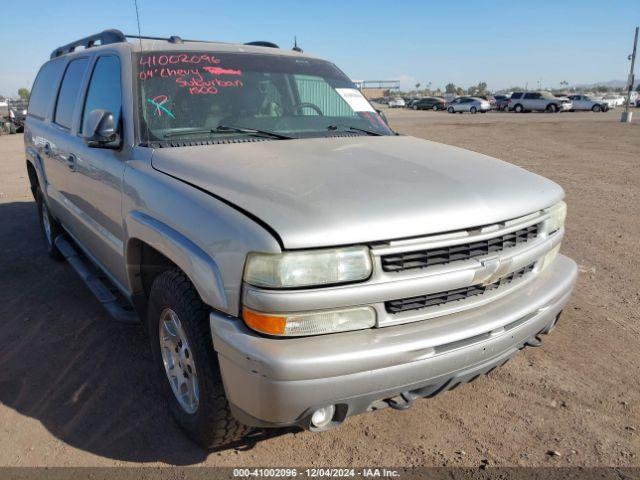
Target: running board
{"type": "Point", "coordinates": [110, 298]}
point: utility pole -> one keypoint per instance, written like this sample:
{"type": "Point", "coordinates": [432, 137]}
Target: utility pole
{"type": "Point", "coordinates": [627, 115]}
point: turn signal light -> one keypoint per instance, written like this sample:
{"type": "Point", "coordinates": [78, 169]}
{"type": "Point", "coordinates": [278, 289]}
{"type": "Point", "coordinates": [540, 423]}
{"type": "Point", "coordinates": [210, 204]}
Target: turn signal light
{"type": "Point", "coordinates": [310, 323]}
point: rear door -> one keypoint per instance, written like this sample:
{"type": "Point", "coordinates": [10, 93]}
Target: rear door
{"type": "Point", "coordinates": [57, 147]}
{"type": "Point", "coordinates": [96, 181]}
{"type": "Point", "coordinates": [41, 138]}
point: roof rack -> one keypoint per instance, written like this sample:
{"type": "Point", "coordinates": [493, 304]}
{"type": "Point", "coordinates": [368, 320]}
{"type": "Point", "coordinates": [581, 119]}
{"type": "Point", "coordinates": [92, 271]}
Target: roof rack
{"type": "Point", "coordinates": [107, 37]}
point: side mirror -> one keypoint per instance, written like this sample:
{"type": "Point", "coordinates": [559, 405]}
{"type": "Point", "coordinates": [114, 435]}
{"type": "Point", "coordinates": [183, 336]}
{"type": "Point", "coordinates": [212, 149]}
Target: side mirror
{"type": "Point", "coordinates": [100, 130]}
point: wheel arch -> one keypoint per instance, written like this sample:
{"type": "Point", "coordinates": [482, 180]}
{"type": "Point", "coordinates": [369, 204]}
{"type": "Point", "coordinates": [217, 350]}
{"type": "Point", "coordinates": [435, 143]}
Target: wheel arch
{"type": "Point", "coordinates": [33, 178]}
{"type": "Point", "coordinates": [152, 247]}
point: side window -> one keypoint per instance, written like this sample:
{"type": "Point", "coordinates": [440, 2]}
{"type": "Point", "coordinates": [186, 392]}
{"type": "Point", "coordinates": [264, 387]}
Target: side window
{"type": "Point", "coordinates": [69, 92]}
{"type": "Point", "coordinates": [317, 91]}
{"type": "Point", "coordinates": [43, 90]}
{"type": "Point", "coordinates": [105, 89]}
{"type": "Point", "coordinates": [529, 96]}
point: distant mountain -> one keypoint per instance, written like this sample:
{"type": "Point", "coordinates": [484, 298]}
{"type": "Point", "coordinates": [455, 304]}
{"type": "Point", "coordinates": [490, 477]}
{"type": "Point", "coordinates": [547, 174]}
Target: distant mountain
{"type": "Point", "coordinates": [610, 84]}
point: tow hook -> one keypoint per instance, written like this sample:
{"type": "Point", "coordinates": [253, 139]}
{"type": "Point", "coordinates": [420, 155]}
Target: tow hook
{"type": "Point", "coordinates": [534, 342]}
{"type": "Point", "coordinates": [400, 402]}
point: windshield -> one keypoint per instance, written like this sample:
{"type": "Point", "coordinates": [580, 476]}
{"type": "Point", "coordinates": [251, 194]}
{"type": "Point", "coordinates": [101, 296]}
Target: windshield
{"type": "Point", "coordinates": [211, 95]}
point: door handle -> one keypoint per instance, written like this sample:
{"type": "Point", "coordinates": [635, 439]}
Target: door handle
{"type": "Point", "coordinates": [47, 149]}
{"type": "Point", "coordinates": [71, 162]}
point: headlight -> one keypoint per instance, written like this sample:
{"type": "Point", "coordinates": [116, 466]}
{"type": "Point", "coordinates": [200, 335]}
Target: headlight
{"type": "Point", "coordinates": [310, 323]}
{"type": "Point", "coordinates": [308, 268]}
{"type": "Point", "coordinates": [558, 215]}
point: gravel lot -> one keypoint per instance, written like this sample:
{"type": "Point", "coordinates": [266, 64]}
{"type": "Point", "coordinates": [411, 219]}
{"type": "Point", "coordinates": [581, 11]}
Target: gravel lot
{"type": "Point", "coordinates": [78, 390]}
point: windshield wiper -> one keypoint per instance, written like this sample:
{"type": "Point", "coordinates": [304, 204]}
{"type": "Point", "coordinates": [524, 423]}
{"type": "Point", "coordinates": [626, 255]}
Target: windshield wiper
{"type": "Point", "coordinates": [227, 129]}
{"type": "Point", "coordinates": [186, 131]}
{"type": "Point", "coordinates": [253, 131]}
{"type": "Point", "coordinates": [355, 129]}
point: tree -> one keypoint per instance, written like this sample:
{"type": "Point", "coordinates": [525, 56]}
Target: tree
{"type": "Point", "coordinates": [418, 86]}
{"type": "Point", "coordinates": [450, 88]}
{"type": "Point", "coordinates": [564, 83]}
{"type": "Point", "coordinates": [481, 88]}
{"type": "Point", "coordinates": [24, 94]}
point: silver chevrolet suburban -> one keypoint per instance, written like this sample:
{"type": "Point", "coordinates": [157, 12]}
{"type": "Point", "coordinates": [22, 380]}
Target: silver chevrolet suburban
{"type": "Point", "coordinates": [294, 260]}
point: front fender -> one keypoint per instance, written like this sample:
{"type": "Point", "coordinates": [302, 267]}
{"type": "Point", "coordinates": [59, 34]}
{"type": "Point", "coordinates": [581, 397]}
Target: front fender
{"type": "Point", "coordinates": [201, 269]}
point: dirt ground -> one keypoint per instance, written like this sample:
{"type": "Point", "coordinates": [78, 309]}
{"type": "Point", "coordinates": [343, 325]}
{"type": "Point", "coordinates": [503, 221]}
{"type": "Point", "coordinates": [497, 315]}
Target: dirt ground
{"type": "Point", "coordinates": [79, 390]}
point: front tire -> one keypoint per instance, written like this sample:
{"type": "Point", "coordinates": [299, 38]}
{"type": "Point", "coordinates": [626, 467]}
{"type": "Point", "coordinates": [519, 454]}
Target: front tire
{"type": "Point", "coordinates": [552, 108]}
{"type": "Point", "coordinates": [450, 110]}
{"type": "Point", "coordinates": [518, 108]}
{"type": "Point", "coordinates": [473, 110]}
{"type": "Point", "coordinates": [596, 108]}
{"type": "Point", "coordinates": [435, 108]}
{"type": "Point", "coordinates": [178, 324]}
{"type": "Point", "coordinates": [49, 227]}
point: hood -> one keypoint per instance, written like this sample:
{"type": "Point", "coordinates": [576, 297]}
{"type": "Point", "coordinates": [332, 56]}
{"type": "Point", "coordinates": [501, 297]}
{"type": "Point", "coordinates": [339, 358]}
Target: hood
{"type": "Point", "coordinates": [338, 191]}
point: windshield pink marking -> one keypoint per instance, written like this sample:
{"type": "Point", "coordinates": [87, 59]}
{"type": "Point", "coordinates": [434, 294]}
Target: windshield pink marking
{"type": "Point", "coordinates": [222, 71]}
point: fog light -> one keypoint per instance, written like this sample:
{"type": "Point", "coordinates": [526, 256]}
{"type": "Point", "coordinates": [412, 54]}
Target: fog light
{"type": "Point", "coordinates": [323, 416]}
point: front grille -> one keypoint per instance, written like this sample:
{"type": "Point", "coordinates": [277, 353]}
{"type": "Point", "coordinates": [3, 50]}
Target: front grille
{"type": "Point", "coordinates": [433, 299]}
{"type": "Point", "coordinates": [398, 262]}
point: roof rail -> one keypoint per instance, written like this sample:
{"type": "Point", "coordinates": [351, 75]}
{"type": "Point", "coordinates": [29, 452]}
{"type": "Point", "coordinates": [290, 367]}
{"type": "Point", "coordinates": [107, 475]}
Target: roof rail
{"type": "Point", "coordinates": [105, 37]}
{"type": "Point", "coordinates": [261, 43]}
{"type": "Point", "coordinates": [116, 36]}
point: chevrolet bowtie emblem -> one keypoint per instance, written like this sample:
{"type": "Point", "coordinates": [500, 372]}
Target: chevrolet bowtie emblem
{"type": "Point", "coordinates": [492, 269]}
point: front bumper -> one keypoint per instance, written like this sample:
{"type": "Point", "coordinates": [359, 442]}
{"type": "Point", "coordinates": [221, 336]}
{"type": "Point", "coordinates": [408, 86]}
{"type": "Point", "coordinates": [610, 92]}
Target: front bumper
{"type": "Point", "coordinates": [281, 382]}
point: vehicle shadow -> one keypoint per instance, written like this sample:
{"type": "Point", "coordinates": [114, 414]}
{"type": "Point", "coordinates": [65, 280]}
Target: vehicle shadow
{"type": "Point", "coordinates": [63, 361]}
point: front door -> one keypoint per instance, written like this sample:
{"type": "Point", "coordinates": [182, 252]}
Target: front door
{"type": "Point", "coordinates": [95, 185]}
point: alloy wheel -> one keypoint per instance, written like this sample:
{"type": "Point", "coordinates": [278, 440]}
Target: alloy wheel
{"type": "Point", "coordinates": [178, 361]}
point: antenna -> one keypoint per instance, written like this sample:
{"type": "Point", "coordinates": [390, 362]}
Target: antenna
{"type": "Point", "coordinates": [135, 3]}
{"type": "Point", "coordinates": [296, 48]}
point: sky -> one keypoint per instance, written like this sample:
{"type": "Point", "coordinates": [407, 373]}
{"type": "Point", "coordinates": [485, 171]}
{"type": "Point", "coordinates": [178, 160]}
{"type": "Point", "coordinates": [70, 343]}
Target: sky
{"type": "Point", "coordinates": [503, 43]}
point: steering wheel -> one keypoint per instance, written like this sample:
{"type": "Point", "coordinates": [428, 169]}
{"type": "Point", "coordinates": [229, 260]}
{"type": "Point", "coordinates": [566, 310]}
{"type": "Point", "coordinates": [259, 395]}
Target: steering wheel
{"type": "Point", "coordinates": [312, 106]}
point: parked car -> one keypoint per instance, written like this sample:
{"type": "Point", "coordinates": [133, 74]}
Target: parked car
{"type": "Point", "coordinates": [409, 103]}
{"type": "Point", "coordinates": [293, 260]}
{"type": "Point", "coordinates": [429, 103]}
{"type": "Point", "coordinates": [7, 124]}
{"type": "Point", "coordinates": [396, 103]}
{"type": "Point", "coordinates": [537, 101]}
{"type": "Point", "coordinates": [468, 104]}
{"type": "Point", "coordinates": [613, 100]}
{"type": "Point", "coordinates": [489, 98]}
{"type": "Point", "coordinates": [502, 102]}
{"type": "Point", "coordinates": [17, 113]}
{"type": "Point", "coordinates": [585, 102]}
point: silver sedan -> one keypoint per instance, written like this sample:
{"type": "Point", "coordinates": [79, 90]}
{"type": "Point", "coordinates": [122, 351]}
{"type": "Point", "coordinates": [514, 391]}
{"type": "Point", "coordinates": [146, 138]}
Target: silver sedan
{"type": "Point", "coordinates": [468, 104]}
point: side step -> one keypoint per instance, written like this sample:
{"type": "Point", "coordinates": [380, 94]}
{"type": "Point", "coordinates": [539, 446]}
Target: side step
{"type": "Point", "coordinates": [110, 298]}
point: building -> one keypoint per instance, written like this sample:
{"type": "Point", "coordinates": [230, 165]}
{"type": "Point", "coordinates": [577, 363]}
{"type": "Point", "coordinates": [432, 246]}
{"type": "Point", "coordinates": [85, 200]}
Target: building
{"type": "Point", "coordinates": [378, 88]}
